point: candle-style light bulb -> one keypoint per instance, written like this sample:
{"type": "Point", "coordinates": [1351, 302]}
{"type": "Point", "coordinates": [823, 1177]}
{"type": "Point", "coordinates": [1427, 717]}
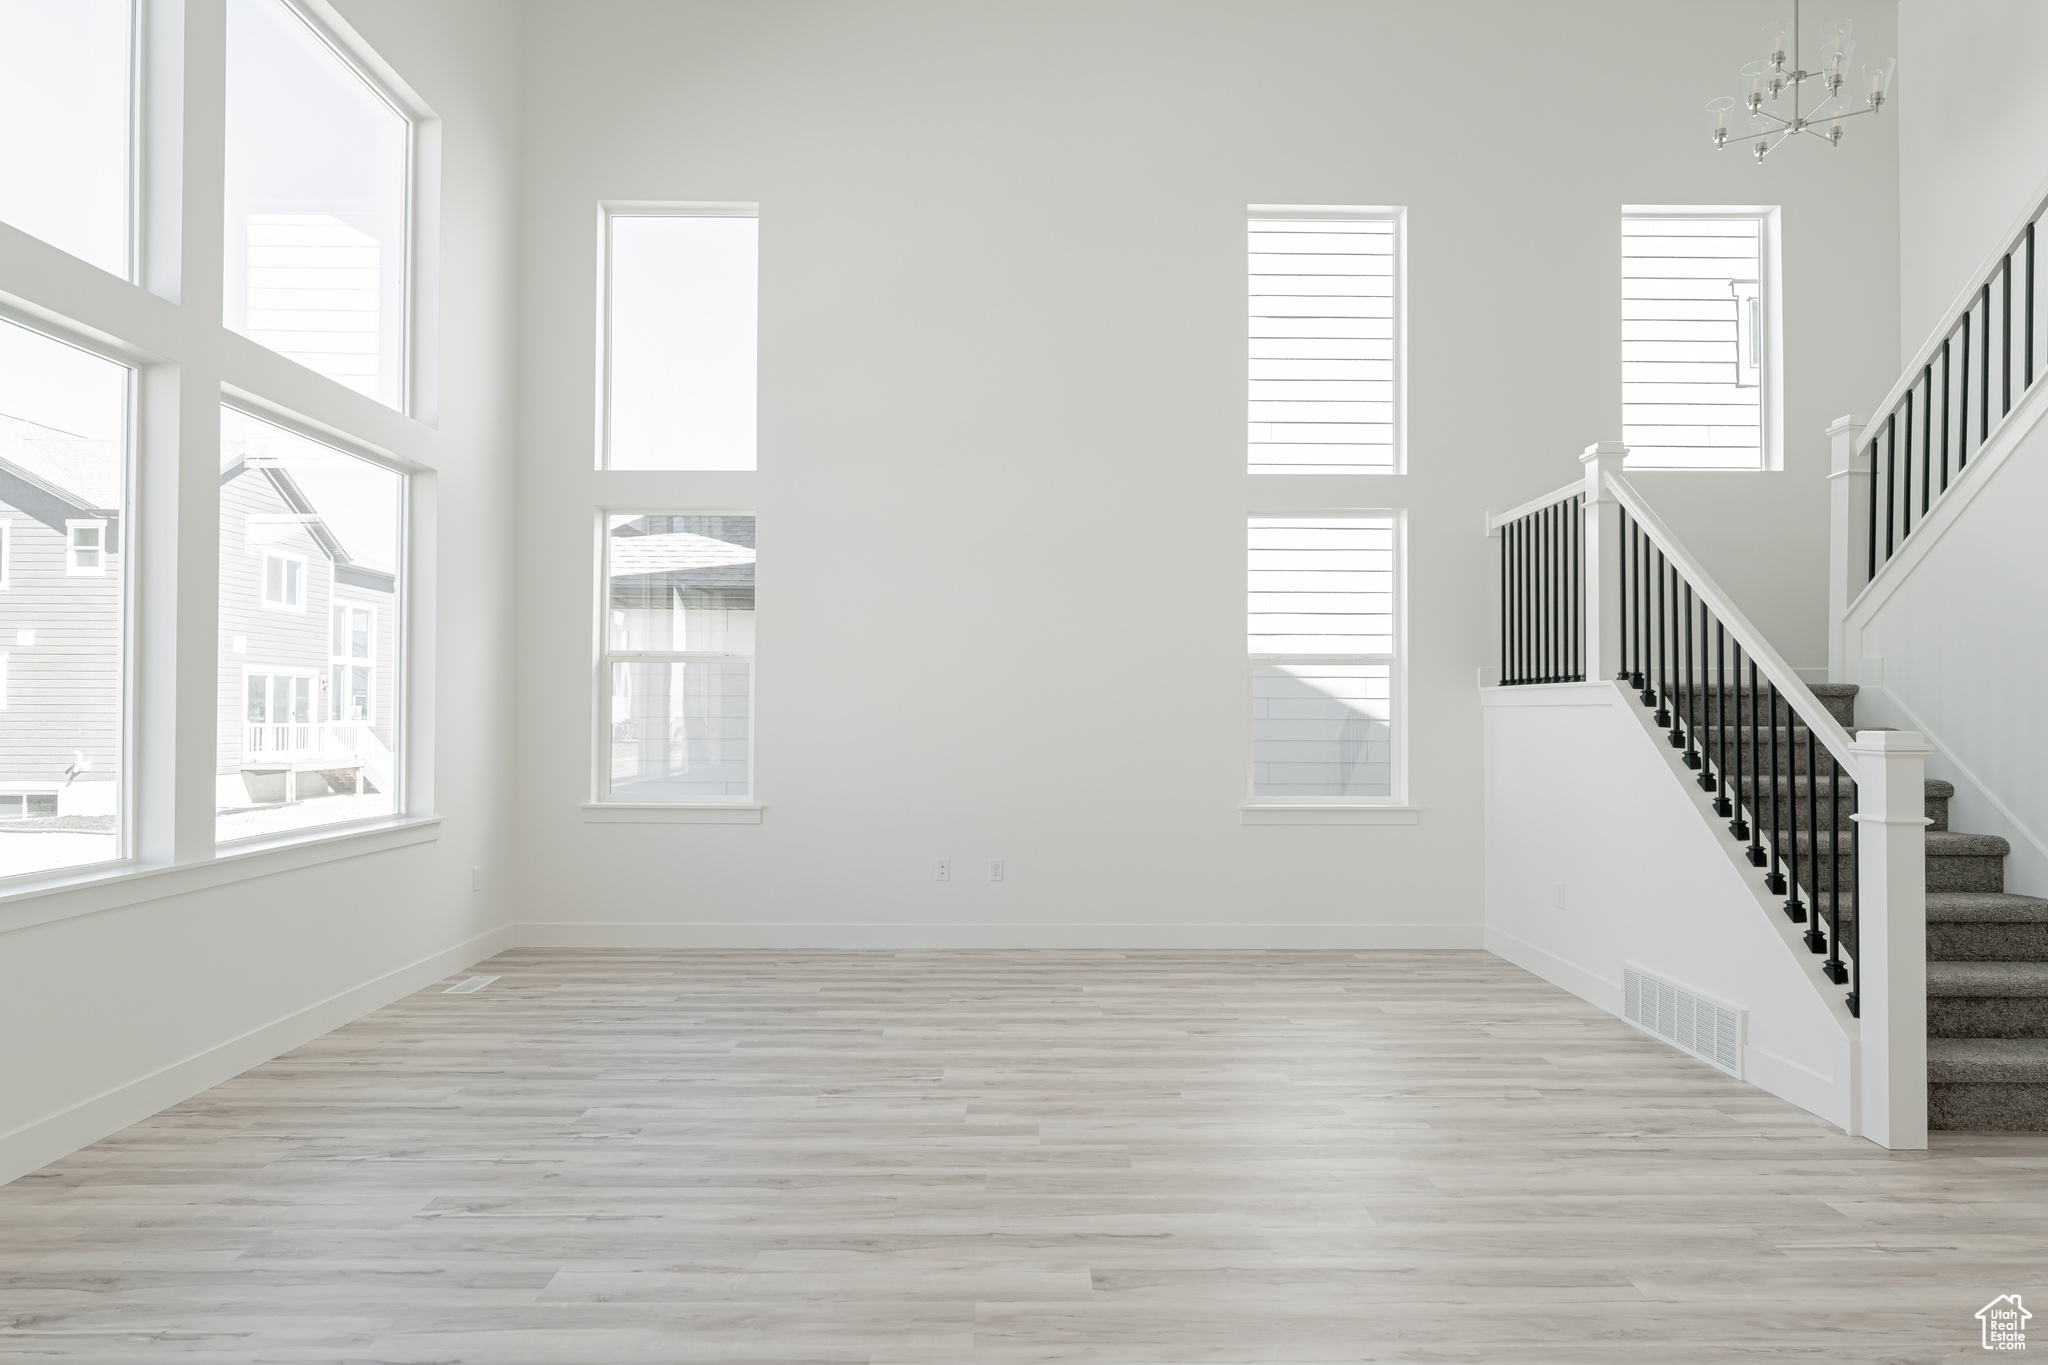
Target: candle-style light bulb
{"type": "Point", "coordinates": [1717, 117]}
{"type": "Point", "coordinates": [1877, 81]}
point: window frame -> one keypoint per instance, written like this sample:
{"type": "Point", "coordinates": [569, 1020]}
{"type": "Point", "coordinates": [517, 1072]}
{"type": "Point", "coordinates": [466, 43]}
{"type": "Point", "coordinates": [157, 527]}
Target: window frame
{"type": "Point", "coordinates": [72, 526]}
{"type": "Point", "coordinates": [1396, 799]}
{"type": "Point", "coordinates": [285, 579]}
{"type": "Point", "coordinates": [345, 661]}
{"type": "Point", "coordinates": [1397, 215]}
{"type": "Point", "coordinates": [606, 656]}
{"type": "Point", "coordinates": [607, 211]}
{"type": "Point", "coordinates": [1770, 292]}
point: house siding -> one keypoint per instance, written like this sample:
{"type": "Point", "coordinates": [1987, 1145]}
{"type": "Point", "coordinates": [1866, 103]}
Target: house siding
{"type": "Point", "coordinates": [63, 692]}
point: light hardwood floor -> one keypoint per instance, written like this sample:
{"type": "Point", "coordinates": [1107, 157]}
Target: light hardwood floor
{"type": "Point", "coordinates": [947, 1158]}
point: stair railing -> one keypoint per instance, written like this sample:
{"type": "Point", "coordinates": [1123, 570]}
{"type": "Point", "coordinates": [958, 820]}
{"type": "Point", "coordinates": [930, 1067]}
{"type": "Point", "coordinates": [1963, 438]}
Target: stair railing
{"type": "Point", "coordinates": [1834, 824]}
{"type": "Point", "coordinates": [1542, 592]}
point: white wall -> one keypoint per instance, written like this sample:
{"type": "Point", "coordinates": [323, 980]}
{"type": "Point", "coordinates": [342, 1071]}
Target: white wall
{"type": "Point", "coordinates": [112, 1010]}
{"type": "Point", "coordinates": [1002, 420]}
{"type": "Point", "coordinates": [1973, 144]}
{"type": "Point", "coordinates": [1600, 852]}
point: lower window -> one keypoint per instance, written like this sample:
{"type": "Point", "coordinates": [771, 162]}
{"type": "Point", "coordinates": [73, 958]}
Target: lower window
{"type": "Point", "coordinates": [1321, 624]}
{"type": "Point", "coordinates": [310, 568]}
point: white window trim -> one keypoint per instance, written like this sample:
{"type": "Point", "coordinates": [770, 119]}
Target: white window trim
{"type": "Point", "coordinates": [1770, 261]}
{"type": "Point", "coordinates": [1310, 810]}
{"type": "Point", "coordinates": [1398, 216]}
{"type": "Point", "coordinates": [601, 768]}
{"type": "Point", "coordinates": [607, 210]}
{"type": "Point", "coordinates": [73, 525]}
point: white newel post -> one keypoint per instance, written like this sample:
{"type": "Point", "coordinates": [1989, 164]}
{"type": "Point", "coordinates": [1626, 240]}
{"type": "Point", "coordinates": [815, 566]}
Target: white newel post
{"type": "Point", "coordinates": [1603, 568]}
{"type": "Point", "coordinates": [1891, 935]}
{"type": "Point", "coordinates": [1848, 532]}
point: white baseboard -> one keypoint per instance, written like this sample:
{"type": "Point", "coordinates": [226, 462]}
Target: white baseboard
{"type": "Point", "coordinates": [37, 1144]}
{"type": "Point", "coordinates": [573, 934]}
{"type": "Point", "coordinates": [1583, 982]}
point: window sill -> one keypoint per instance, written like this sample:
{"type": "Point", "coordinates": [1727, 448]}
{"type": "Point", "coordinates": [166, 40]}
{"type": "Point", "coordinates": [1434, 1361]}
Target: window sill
{"type": "Point", "coordinates": [69, 896]}
{"type": "Point", "coordinates": [620, 813]}
{"type": "Point", "coordinates": [1329, 815]}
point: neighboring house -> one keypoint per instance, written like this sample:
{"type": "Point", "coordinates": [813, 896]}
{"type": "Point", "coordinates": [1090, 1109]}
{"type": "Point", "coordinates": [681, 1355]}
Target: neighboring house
{"type": "Point", "coordinates": [60, 624]}
{"type": "Point", "coordinates": [307, 656]}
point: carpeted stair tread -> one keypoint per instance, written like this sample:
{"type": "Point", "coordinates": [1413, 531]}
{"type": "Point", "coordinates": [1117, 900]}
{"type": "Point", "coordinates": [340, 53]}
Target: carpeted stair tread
{"type": "Point", "coordinates": [1941, 843]}
{"type": "Point", "coordinates": [1997, 1061]}
{"type": "Point", "coordinates": [1984, 907]}
{"type": "Point", "coordinates": [1987, 978]}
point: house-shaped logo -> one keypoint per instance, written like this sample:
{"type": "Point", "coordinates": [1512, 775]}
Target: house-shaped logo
{"type": "Point", "coordinates": [2005, 1323]}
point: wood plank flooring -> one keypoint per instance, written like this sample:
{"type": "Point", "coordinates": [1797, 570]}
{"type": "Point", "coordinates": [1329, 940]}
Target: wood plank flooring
{"type": "Point", "coordinates": [955, 1157]}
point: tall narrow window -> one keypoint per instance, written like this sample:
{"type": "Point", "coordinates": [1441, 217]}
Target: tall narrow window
{"type": "Point", "coordinates": [1322, 626]}
{"type": "Point", "coordinates": [310, 569]}
{"type": "Point", "coordinates": [680, 324]}
{"type": "Point", "coordinates": [65, 103]}
{"type": "Point", "coordinates": [1696, 372]}
{"type": "Point", "coordinates": [679, 658]}
{"type": "Point", "coordinates": [63, 463]}
{"type": "Point", "coordinates": [318, 162]}
{"type": "Point", "coordinates": [1325, 378]}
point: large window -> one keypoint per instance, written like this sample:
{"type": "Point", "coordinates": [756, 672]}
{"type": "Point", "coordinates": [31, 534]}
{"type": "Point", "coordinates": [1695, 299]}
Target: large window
{"type": "Point", "coordinates": [680, 324]}
{"type": "Point", "coordinates": [310, 582]}
{"type": "Point", "coordinates": [65, 109]}
{"type": "Point", "coordinates": [679, 658]}
{"type": "Point", "coordinates": [1697, 369]}
{"type": "Point", "coordinates": [63, 475]}
{"type": "Point", "coordinates": [1322, 626]}
{"type": "Point", "coordinates": [318, 162]}
{"type": "Point", "coordinates": [1325, 379]}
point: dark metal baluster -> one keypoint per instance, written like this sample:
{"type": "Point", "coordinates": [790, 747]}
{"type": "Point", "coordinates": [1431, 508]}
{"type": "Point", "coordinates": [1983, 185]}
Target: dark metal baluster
{"type": "Point", "coordinates": [1774, 881]}
{"type": "Point", "coordinates": [1984, 379]}
{"type": "Point", "coordinates": [1631, 633]}
{"type": "Point", "coordinates": [1739, 827]}
{"type": "Point", "coordinates": [1891, 462]}
{"type": "Point", "coordinates": [1756, 777]}
{"type": "Point", "coordinates": [1506, 606]}
{"type": "Point", "coordinates": [1697, 713]}
{"type": "Point", "coordinates": [2028, 372]}
{"type": "Point", "coordinates": [1816, 941]}
{"type": "Point", "coordinates": [1926, 437]}
{"type": "Point", "coordinates": [1795, 909]}
{"type": "Point", "coordinates": [1856, 899]}
{"type": "Point", "coordinates": [1963, 397]}
{"type": "Point", "coordinates": [1643, 617]}
{"type": "Point", "coordinates": [1832, 969]}
{"type": "Point", "coordinates": [1686, 681]}
{"type": "Point", "coordinates": [1576, 528]}
{"type": "Point", "coordinates": [2005, 326]}
{"type": "Point", "coordinates": [1944, 414]}
{"type": "Point", "coordinates": [1663, 671]}
{"type": "Point", "coordinates": [1721, 807]}
{"type": "Point", "coordinates": [1906, 520]}
{"type": "Point", "coordinates": [1870, 489]}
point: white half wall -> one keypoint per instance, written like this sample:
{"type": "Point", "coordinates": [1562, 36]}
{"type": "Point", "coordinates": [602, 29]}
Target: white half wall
{"type": "Point", "coordinates": [1601, 851]}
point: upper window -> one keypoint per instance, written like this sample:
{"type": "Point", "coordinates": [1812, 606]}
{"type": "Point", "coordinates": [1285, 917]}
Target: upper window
{"type": "Point", "coordinates": [679, 345]}
{"type": "Point", "coordinates": [318, 162]}
{"type": "Point", "coordinates": [1323, 632]}
{"type": "Point", "coordinates": [63, 463]}
{"type": "Point", "coordinates": [1325, 367]}
{"type": "Point", "coordinates": [310, 568]}
{"type": "Point", "coordinates": [679, 658]}
{"type": "Point", "coordinates": [66, 106]}
{"type": "Point", "coordinates": [1697, 310]}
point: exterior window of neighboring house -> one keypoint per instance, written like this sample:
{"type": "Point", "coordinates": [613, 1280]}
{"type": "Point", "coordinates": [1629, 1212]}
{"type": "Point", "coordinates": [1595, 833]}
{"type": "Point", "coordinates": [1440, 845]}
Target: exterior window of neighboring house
{"type": "Point", "coordinates": [352, 685]}
{"type": "Point", "coordinates": [303, 741]}
{"type": "Point", "coordinates": [679, 342]}
{"type": "Point", "coordinates": [70, 79]}
{"type": "Point", "coordinates": [1323, 626]}
{"type": "Point", "coordinates": [318, 166]}
{"type": "Point", "coordinates": [679, 658]}
{"type": "Point", "coordinates": [86, 547]}
{"type": "Point", "coordinates": [1325, 382]}
{"type": "Point", "coordinates": [283, 582]}
{"type": "Point", "coordinates": [63, 489]}
{"type": "Point", "coordinates": [1699, 372]}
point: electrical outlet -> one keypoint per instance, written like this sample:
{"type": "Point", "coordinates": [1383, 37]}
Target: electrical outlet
{"type": "Point", "coordinates": [995, 869]}
{"type": "Point", "coordinates": [943, 870]}
{"type": "Point", "coordinates": [476, 879]}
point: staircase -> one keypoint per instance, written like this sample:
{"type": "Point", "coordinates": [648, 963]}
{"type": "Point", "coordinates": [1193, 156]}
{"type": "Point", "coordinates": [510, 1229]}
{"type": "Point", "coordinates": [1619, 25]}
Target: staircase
{"type": "Point", "coordinates": [1987, 948]}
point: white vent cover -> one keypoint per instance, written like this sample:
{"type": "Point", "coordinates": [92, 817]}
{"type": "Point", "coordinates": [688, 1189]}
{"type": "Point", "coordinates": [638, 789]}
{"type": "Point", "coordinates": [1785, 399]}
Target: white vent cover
{"type": "Point", "coordinates": [1706, 1028]}
{"type": "Point", "coordinates": [475, 983]}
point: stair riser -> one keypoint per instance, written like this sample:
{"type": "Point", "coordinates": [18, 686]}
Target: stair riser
{"type": "Point", "coordinates": [1987, 1016]}
{"type": "Point", "coordinates": [1985, 942]}
{"type": "Point", "coordinates": [1969, 1106]}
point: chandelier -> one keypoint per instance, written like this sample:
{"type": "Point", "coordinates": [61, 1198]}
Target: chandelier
{"type": "Point", "coordinates": [1777, 74]}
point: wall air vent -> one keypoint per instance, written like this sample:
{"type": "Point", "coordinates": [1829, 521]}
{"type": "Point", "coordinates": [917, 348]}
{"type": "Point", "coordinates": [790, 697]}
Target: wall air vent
{"type": "Point", "coordinates": [469, 987]}
{"type": "Point", "coordinates": [1706, 1028]}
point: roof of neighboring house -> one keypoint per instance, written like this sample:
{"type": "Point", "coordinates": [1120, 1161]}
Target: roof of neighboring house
{"type": "Point", "coordinates": [699, 561]}
{"type": "Point", "coordinates": [53, 475]}
{"type": "Point", "coordinates": [346, 570]}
